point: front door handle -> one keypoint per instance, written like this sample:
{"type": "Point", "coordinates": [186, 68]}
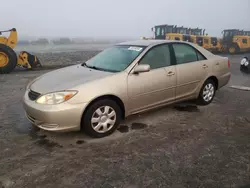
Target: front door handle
{"type": "Point", "coordinates": [217, 63]}
{"type": "Point", "coordinates": [170, 73]}
{"type": "Point", "coordinates": [205, 66]}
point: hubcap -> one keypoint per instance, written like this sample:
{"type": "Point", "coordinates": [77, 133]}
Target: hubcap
{"type": "Point", "coordinates": [103, 119]}
{"type": "Point", "coordinates": [208, 92]}
{"type": "Point", "coordinates": [4, 59]}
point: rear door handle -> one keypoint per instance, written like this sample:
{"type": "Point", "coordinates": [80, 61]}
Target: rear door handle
{"type": "Point", "coordinates": [170, 73]}
{"type": "Point", "coordinates": [217, 63]}
{"type": "Point", "coordinates": [205, 66]}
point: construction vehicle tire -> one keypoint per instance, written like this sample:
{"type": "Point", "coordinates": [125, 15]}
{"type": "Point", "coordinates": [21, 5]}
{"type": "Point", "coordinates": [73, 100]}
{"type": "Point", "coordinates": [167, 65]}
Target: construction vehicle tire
{"type": "Point", "coordinates": [8, 59]}
{"type": "Point", "coordinates": [233, 49]}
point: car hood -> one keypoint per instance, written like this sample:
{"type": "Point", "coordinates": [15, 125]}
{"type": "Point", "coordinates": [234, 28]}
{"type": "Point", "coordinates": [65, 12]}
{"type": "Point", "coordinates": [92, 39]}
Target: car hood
{"type": "Point", "coordinates": [66, 78]}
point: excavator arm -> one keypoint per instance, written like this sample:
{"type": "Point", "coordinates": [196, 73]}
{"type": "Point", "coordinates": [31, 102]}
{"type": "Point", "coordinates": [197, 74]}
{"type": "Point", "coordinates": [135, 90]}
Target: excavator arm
{"type": "Point", "coordinates": [11, 41]}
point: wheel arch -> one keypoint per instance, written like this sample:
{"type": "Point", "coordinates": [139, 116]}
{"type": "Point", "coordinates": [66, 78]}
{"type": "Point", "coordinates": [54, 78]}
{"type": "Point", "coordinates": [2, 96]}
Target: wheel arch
{"type": "Point", "coordinates": [107, 96]}
{"type": "Point", "coordinates": [215, 79]}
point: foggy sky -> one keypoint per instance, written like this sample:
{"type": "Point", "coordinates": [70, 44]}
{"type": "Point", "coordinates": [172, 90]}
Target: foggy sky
{"type": "Point", "coordinates": [125, 18]}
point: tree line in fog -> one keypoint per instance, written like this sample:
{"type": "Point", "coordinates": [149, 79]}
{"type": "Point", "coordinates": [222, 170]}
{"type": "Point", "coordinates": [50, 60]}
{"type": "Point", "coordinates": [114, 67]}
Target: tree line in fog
{"type": "Point", "coordinates": [66, 40]}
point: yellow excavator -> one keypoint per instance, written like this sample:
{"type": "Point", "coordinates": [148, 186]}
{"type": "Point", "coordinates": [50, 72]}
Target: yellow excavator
{"type": "Point", "coordinates": [8, 58]}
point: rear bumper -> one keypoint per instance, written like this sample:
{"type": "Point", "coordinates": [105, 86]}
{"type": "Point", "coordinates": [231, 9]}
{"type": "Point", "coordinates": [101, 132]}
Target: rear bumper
{"type": "Point", "coordinates": [60, 118]}
{"type": "Point", "coordinates": [224, 80]}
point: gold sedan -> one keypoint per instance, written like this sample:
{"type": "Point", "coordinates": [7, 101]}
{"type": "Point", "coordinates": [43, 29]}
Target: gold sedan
{"type": "Point", "coordinates": [125, 79]}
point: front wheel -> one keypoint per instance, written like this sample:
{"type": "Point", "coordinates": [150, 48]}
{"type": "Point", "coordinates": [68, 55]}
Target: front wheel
{"type": "Point", "coordinates": [8, 59]}
{"type": "Point", "coordinates": [207, 93]}
{"type": "Point", "coordinates": [233, 49]}
{"type": "Point", "coordinates": [101, 118]}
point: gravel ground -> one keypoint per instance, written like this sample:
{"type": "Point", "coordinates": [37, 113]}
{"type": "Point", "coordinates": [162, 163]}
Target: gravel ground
{"type": "Point", "coordinates": [175, 146]}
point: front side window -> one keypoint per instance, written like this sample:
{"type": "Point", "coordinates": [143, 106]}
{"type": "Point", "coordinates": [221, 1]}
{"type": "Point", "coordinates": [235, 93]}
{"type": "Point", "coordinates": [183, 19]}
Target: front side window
{"type": "Point", "coordinates": [184, 53]}
{"type": "Point", "coordinates": [115, 59]}
{"type": "Point", "coordinates": [157, 57]}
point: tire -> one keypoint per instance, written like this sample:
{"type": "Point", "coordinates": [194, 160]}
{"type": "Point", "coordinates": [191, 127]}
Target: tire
{"type": "Point", "coordinates": [201, 99]}
{"type": "Point", "coordinates": [12, 59]}
{"type": "Point", "coordinates": [236, 47]}
{"type": "Point", "coordinates": [91, 112]}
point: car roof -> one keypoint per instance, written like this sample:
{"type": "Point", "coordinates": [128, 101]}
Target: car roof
{"type": "Point", "coordinates": [151, 43]}
{"type": "Point", "coordinates": [145, 42]}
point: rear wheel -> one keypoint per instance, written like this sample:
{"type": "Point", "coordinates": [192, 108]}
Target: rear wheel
{"type": "Point", "coordinates": [8, 59]}
{"type": "Point", "coordinates": [233, 49]}
{"type": "Point", "coordinates": [207, 93]}
{"type": "Point", "coordinates": [101, 118]}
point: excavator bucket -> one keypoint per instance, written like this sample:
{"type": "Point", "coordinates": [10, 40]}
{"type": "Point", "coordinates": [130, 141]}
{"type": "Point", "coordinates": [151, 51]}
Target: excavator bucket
{"type": "Point", "coordinates": [28, 61]}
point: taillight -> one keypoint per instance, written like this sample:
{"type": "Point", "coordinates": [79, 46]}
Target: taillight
{"type": "Point", "coordinates": [228, 63]}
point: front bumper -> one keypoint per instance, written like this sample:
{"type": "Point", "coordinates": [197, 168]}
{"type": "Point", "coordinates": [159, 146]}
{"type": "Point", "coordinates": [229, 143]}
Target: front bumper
{"type": "Point", "coordinates": [60, 118]}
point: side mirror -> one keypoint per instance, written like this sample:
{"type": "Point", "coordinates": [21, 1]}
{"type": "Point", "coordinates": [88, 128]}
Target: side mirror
{"type": "Point", "coordinates": [141, 68]}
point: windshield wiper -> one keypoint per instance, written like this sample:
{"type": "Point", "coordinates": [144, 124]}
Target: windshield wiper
{"type": "Point", "coordinates": [97, 68]}
{"type": "Point", "coordinates": [84, 64]}
{"type": "Point", "coordinates": [91, 67]}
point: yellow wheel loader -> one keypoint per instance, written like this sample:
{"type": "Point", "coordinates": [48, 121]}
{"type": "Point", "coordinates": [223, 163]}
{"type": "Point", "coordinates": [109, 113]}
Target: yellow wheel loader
{"type": "Point", "coordinates": [234, 41]}
{"type": "Point", "coordinates": [8, 58]}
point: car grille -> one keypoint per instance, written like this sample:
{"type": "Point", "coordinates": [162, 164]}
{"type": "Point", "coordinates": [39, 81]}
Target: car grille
{"type": "Point", "coordinates": [33, 95]}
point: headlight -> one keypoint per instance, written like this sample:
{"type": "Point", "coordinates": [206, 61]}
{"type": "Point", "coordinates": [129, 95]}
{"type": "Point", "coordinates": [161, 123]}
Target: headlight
{"type": "Point", "coordinates": [56, 97]}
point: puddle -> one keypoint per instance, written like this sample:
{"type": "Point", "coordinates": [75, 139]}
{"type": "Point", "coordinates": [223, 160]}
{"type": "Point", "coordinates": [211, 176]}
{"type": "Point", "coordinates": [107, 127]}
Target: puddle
{"type": "Point", "coordinates": [136, 126]}
{"type": "Point", "coordinates": [42, 140]}
{"type": "Point", "coordinates": [47, 144]}
{"type": "Point", "coordinates": [80, 141]}
{"type": "Point", "coordinates": [187, 108]}
{"type": "Point", "coordinates": [123, 128]}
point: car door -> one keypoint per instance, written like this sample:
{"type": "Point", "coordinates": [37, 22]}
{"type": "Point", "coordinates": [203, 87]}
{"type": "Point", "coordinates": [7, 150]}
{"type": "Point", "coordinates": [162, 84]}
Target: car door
{"type": "Point", "coordinates": [191, 69]}
{"type": "Point", "coordinates": [149, 89]}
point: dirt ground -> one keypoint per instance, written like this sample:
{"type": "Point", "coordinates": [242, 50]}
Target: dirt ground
{"type": "Point", "coordinates": [176, 146]}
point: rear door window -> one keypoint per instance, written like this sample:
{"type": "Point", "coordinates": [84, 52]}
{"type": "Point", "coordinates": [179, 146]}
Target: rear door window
{"type": "Point", "coordinates": [185, 54]}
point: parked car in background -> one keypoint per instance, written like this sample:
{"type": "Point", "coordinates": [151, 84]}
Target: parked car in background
{"type": "Point", "coordinates": [125, 79]}
{"type": "Point", "coordinates": [245, 65]}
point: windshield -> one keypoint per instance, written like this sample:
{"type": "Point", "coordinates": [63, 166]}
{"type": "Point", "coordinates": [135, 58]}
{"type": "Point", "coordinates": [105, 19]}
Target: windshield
{"type": "Point", "coordinates": [227, 33]}
{"type": "Point", "coordinates": [115, 59]}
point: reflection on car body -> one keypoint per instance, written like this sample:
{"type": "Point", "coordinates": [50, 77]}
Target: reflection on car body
{"type": "Point", "coordinates": [128, 78]}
